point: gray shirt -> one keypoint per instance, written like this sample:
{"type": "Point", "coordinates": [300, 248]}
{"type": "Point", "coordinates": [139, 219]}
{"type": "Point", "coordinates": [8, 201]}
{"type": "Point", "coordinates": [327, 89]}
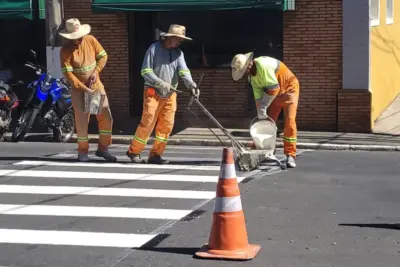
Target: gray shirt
{"type": "Point", "coordinates": [165, 64]}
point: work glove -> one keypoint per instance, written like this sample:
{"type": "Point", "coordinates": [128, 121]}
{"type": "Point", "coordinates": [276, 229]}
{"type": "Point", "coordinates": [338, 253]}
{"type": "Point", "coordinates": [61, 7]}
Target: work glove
{"type": "Point", "coordinates": [263, 104]}
{"type": "Point", "coordinates": [261, 115]}
{"type": "Point", "coordinates": [195, 91]}
{"type": "Point", "coordinates": [164, 88]}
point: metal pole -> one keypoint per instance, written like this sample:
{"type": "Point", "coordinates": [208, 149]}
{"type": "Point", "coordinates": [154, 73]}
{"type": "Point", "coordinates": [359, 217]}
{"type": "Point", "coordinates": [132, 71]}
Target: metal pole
{"type": "Point", "coordinates": [54, 20]}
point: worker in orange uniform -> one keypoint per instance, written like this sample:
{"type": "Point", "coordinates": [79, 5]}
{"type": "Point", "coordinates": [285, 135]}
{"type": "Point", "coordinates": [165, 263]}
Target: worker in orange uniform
{"type": "Point", "coordinates": [274, 87]}
{"type": "Point", "coordinates": [82, 60]}
{"type": "Point", "coordinates": [163, 64]}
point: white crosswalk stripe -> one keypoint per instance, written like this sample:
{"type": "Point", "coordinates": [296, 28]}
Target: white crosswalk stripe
{"type": "Point", "coordinates": [116, 165]}
{"type": "Point", "coordinates": [72, 238]}
{"type": "Point", "coordinates": [94, 191]}
{"type": "Point", "coordinates": [114, 176]}
{"type": "Point", "coordinates": [39, 196]}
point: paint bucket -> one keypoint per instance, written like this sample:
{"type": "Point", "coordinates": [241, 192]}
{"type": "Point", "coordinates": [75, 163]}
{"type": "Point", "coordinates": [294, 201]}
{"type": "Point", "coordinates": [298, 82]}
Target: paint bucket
{"type": "Point", "coordinates": [263, 133]}
{"type": "Point", "coordinates": [94, 103]}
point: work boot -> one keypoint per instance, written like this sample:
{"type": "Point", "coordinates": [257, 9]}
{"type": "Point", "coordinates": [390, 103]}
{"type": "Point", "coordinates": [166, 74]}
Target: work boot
{"type": "Point", "coordinates": [135, 158]}
{"type": "Point", "coordinates": [156, 159]}
{"type": "Point", "coordinates": [290, 162]}
{"type": "Point", "coordinates": [105, 155]}
{"type": "Point", "coordinates": [83, 157]}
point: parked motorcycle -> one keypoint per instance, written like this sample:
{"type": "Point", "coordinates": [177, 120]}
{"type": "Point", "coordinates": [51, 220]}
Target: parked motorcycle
{"type": "Point", "coordinates": [49, 98]}
{"type": "Point", "coordinates": [8, 103]}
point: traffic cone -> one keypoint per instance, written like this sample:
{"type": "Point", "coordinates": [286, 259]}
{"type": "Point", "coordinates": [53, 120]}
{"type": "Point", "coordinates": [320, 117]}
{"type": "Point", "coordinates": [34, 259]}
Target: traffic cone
{"type": "Point", "coordinates": [228, 236]}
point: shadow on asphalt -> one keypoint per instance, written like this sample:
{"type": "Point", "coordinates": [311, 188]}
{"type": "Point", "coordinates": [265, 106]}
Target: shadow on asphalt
{"type": "Point", "coordinates": [152, 246]}
{"type": "Point", "coordinates": [172, 250]}
{"type": "Point", "coordinates": [180, 251]}
{"type": "Point", "coordinates": [202, 162]}
{"type": "Point", "coordinates": [390, 226]}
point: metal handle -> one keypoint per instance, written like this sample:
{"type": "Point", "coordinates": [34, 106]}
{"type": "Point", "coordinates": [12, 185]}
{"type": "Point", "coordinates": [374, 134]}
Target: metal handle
{"type": "Point", "coordinates": [256, 119]}
{"type": "Point", "coordinates": [198, 86]}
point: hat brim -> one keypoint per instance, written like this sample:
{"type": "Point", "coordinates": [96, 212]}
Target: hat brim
{"type": "Point", "coordinates": [84, 29]}
{"type": "Point", "coordinates": [164, 34]}
{"type": "Point", "coordinates": [238, 74]}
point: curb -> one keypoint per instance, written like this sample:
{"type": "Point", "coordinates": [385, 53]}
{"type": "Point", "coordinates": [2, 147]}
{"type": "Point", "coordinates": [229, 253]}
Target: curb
{"type": "Point", "coordinates": [208, 142]}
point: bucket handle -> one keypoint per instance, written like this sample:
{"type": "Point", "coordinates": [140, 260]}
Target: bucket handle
{"type": "Point", "coordinates": [256, 119]}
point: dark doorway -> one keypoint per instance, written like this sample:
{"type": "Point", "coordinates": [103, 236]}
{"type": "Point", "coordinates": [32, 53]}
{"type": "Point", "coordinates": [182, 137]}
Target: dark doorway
{"type": "Point", "coordinates": [141, 35]}
{"type": "Point", "coordinates": [21, 35]}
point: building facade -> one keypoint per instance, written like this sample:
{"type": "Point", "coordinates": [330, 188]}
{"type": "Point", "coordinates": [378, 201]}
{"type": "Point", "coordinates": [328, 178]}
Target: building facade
{"type": "Point", "coordinates": [342, 51]}
{"type": "Point", "coordinates": [384, 54]}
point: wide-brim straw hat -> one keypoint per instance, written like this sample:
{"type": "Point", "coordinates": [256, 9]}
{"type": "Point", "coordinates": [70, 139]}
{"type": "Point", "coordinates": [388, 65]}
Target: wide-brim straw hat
{"type": "Point", "coordinates": [74, 29]}
{"type": "Point", "coordinates": [177, 31]}
{"type": "Point", "coordinates": [239, 64]}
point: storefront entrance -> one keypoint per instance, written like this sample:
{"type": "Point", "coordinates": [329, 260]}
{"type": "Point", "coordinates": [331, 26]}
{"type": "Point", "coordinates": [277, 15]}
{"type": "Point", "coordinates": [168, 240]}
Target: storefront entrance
{"type": "Point", "coordinates": [217, 35]}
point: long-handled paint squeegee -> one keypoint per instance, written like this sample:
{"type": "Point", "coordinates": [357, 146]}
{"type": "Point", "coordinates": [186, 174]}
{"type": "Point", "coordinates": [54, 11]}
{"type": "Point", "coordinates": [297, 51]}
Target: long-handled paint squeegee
{"type": "Point", "coordinates": [246, 160]}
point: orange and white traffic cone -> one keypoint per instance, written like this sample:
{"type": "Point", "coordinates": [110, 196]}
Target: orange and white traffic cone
{"type": "Point", "coordinates": [228, 236]}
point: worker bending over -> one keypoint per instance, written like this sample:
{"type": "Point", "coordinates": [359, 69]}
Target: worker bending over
{"type": "Point", "coordinates": [163, 63]}
{"type": "Point", "coordinates": [274, 87]}
{"type": "Point", "coordinates": [82, 60]}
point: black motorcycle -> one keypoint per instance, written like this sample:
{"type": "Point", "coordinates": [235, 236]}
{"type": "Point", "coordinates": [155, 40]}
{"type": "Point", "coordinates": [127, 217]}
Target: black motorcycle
{"type": "Point", "coordinates": [8, 103]}
{"type": "Point", "coordinates": [49, 98]}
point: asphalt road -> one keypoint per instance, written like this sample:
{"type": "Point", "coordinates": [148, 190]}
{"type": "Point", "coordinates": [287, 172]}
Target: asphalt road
{"type": "Point", "coordinates": [335, 209]}
{"type": "Point", "coordinates": [57, 212]}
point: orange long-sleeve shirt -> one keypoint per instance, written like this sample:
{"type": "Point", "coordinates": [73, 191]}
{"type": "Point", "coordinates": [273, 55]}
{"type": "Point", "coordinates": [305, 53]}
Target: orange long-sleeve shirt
{"type": "Point", "coordinates": [77, 64]}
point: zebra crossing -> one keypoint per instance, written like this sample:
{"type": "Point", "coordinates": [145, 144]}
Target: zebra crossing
{"type": "Point", "coordinates": [54, 201]}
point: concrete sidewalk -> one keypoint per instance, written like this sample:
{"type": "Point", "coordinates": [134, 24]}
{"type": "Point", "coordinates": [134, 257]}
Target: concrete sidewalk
{"type": "Point", "coordinates": [190, 131]}
{"type": "Point", "coordinates": [195, 136]}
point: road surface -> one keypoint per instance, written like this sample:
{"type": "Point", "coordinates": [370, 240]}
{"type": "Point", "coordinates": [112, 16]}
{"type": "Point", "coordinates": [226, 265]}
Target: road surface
{"type": "Point", "coordinates": [336, 209]}
{"type": "Point", "coordinates": [57, 212]}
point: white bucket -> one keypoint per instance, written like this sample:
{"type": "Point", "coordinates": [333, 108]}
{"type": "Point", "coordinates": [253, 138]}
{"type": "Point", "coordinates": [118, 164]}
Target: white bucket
{"type": "Point", "coordinates": [263, 134]}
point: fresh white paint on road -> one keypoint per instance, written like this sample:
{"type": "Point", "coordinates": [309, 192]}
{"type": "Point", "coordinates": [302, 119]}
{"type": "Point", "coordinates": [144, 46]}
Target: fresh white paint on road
{"type": "Point", "coordinates": [106, 191]}
{"type": "Point", "coordinates": [73, 238]}
{"type": "Point", "coordinates": [117, 165]}
{"type": "Point", "coordinates": [112, 176]}
{"type": "Point", "coordinates": [81, 211]}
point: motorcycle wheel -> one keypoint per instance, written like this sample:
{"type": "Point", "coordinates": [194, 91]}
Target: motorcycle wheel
{"type": "Point", "coordinates": [27, 119]}
{"type": "Point", "coordinates": [64, 133]}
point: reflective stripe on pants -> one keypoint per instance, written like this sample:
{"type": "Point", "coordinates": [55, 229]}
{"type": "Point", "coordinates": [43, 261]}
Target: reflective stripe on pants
{"type": "Point", "coordinates": [104, 120]}
{"type": "Point", "coordinates": [290, 112]}
{"type": "Point", "coordinates": [156, 110]}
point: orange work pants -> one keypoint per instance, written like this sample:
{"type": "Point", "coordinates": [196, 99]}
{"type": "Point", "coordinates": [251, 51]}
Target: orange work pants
{"type": "Point", "coordinates": [105, 122]}
{"type": "Point", "coordinates": [287, 102]}
{"type": "Point", "coordinates": [156, 110]}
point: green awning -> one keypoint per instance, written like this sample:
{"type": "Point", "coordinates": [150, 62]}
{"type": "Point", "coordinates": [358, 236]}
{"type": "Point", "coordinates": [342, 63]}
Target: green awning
{"type": "Point", "coordinates": [42, 9]}
{"type": "Point", "coordinates": [24, 9]}
{"type": "Point", "coordinates": [183, 5]}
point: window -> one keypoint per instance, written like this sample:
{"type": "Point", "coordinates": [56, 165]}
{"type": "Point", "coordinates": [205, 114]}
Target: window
{"type": "Point", "coordinates": [374, 11]}
{"type": "Point", "coordinates": [219, 35]}
{"type": "Point", "coordinates": [389, 11]}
